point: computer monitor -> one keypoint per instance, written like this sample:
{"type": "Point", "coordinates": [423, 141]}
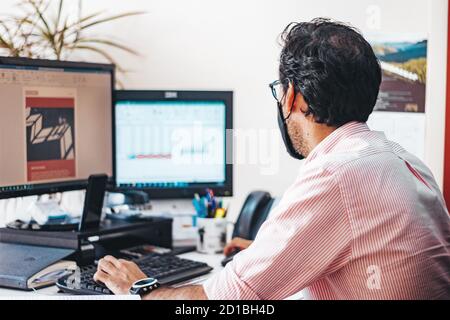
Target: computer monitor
{"type": "Point", "coordinates": [173, 144]}
{"type": "Point", "coordinates": [55, 125]}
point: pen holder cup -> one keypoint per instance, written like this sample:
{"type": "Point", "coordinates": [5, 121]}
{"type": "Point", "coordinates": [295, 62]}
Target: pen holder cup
{"type": "Point", "coordinates": [211, 236]}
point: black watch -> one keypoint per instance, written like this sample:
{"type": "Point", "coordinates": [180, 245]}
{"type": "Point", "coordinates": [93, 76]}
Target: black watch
{"type": "Point", "coordinates": [144, 286]}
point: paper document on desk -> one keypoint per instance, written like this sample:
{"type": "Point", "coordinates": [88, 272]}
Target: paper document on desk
{"type": "Point", "coordinates": [62, 297]}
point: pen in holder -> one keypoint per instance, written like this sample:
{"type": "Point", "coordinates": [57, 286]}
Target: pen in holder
{"type": "Point", "coordinates": [211, 223]}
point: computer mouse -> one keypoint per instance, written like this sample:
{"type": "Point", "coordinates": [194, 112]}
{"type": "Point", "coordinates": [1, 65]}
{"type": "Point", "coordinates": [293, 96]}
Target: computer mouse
{"type": "Point", "coordinates": [230, 257]}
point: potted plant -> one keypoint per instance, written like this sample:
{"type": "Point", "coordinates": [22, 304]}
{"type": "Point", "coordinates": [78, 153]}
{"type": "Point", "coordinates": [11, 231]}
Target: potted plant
{"type": "Point", "coordinates": [44, 30]}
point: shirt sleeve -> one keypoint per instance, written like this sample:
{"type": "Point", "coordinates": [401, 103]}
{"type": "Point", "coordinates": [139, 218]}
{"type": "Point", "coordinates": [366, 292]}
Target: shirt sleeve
{"type": "Point", "coordinates": [307, 237]}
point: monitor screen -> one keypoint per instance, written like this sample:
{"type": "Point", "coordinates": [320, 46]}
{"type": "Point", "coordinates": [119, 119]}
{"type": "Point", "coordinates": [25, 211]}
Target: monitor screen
{"type": "Point", "coordinates": [172, 144]}
{"type": "Point", "coordinates": [56, 125]}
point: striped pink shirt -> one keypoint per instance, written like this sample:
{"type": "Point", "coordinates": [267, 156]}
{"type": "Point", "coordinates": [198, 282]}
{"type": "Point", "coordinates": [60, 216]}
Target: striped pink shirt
{"type": "Point", "coordinates": [364, 220]}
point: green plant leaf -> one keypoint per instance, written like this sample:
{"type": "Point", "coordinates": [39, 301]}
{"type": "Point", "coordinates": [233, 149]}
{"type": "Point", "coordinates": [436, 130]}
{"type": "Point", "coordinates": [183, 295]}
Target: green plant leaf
{"type": "Point", "coordinates": [19, 22]}
{"type": "Point", "coordinates": [77, 24]}
{"type": "Point", "coordinates": [61, 40]}
{"type": "Point", "coordinates": [5, 44]}
{"type": "Point", "coordinates": [7, 40]}
{"type": "Point", "coordinates": [40, 13]}
{"type": "Point", "coordinates": [101, 52]}
{"type": "Point", "coordinates": [112, 18]}
{"type": "Point", "coordinates": [6, 29]}
{"type": "Point", "coordinates": [58, 17]}
{"type": "Point", "coordinates": [109, 43]}
{"type": "Point", "coordinates": [80, 27]}
{"type": "Point", "coordinates": [89, 17]}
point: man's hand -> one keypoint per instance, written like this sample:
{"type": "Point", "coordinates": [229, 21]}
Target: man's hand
{"type": "Point", "coordinates": [118, 275]}
{"type": "Point", "coordinates": [236, 243]}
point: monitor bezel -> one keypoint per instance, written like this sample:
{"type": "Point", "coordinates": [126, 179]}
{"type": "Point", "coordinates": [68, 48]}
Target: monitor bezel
{"type": "Point", "coordinates": [181, 95]}
{"type": "Point", "coordinates": [72, 185]}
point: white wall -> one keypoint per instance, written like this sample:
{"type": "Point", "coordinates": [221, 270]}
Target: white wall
{"type": "Point", "coordinates": [208, 44]}
{"type": "Point", "coordinates": [436, 81]}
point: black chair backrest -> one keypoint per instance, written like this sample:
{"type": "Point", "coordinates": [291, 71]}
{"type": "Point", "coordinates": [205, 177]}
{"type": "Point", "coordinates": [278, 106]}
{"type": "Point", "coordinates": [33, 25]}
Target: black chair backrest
{"type": "Point", "coordinates": [254, 212]}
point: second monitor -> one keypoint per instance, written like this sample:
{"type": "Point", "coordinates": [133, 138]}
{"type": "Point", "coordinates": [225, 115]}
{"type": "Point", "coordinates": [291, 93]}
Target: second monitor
{"type": "Point", "coordinates": [173, 144]}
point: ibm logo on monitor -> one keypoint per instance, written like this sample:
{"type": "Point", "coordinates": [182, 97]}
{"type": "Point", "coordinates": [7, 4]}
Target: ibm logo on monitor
{"type": "Point", "coordinates": [170, 95]}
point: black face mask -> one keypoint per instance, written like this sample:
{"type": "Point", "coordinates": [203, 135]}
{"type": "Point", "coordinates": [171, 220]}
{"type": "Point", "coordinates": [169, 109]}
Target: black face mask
{"type": "Point", "coordinates": [285, 135]}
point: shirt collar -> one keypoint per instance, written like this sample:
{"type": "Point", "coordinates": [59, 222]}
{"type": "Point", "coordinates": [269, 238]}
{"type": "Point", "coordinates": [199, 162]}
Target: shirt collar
{"type": "Point", "coordinates": [345, 131]}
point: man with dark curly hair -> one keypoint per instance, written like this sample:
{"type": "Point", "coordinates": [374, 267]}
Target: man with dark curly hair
{"type": "Point", "coordinates": [365, 219]}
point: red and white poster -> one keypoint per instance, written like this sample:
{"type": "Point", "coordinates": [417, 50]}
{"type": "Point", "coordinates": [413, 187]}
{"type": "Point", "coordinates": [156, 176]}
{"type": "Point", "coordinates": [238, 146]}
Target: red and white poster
{"type": "Point", "coordinates": [50, 133]}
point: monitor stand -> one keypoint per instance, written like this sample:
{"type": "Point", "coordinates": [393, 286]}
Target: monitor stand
{"type": "Point", "coordinates": [67, 224]}
{"type": "Point", "coordinates": [47, 216]}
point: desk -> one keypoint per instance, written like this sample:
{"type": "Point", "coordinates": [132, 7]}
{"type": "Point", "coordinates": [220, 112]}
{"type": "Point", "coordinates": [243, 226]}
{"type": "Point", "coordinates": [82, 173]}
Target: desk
{"type": "Point", "coordinates": [212, 260]}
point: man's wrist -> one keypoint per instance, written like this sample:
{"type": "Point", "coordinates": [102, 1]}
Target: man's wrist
{"type": "Point", "coordinates": [144, 286]}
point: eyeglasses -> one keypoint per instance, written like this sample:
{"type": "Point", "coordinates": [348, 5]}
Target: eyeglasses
{"type": "Point", "coordinates": [277, 90]}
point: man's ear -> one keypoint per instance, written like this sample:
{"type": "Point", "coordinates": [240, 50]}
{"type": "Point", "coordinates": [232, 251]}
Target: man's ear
{"type": "Point", "coordinates": [289, 99]}
{"type": "Point", "coordinates": [299, 105]}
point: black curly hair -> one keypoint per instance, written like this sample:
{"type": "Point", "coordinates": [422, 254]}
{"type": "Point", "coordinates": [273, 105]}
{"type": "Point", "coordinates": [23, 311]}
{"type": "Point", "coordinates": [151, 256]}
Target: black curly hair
{"type": "Point", "coordinates": [333, 67]}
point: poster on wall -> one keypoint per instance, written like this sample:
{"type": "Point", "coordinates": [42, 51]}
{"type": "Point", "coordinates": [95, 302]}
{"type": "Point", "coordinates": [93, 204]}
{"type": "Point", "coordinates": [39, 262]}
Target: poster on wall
{"type": "Point", "coordinates": [50, 144]}
{"type": "Point", "coordinates": [400, 109]}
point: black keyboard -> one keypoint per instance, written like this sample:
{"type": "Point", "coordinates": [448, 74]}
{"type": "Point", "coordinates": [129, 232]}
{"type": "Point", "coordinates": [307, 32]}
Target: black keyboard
{"type": "Point", "coordinates": [166, 268]}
